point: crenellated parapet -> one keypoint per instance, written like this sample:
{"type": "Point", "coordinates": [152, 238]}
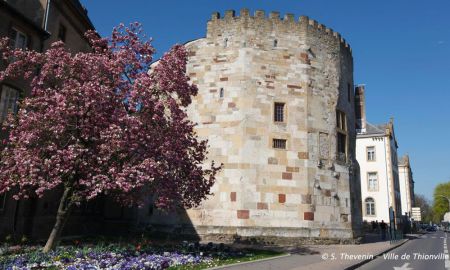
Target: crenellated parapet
{"type": "Point", "coordinates": [273, 24]}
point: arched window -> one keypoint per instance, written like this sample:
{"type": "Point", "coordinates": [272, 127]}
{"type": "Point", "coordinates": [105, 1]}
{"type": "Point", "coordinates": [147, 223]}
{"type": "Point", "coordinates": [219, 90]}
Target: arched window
{"type": "Point", "coordinates": [275, 43]}
{"type": "Point", "coordinates": [370, 206]}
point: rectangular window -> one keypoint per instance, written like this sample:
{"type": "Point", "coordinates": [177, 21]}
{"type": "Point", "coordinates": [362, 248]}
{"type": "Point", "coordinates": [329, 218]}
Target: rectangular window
{"type": "Point", "coordinates": [341, 136]}
{"type": "Point", "coordinates": [371, 153]}
{"type": "Point", "coordinates": [8, 101]}
{"type": "Point", "coordinates": [19, 40]}
{"type": "Point", "coordinates": [278, 113]}
{"type": "Point", "coordinates": [341, 121]}
{"type": "Point", "coordinates": [372, 179]}
{"type": "Point", "coordinates": [370, 209]}
{"type": "Point", "coordinates": [279, 143]}
{"type": "Point", "coordinates": [62, 33]}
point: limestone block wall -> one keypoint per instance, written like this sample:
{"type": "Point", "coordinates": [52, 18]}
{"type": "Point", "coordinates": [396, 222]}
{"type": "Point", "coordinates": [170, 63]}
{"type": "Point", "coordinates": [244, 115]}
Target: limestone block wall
{"type": "Point", "coordinates": [242, 68]}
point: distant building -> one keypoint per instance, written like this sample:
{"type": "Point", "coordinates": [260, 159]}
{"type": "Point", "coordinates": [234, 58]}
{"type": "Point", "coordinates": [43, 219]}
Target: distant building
{"type": "Point", "coordinates": [376, 152]}
{"type": "Point", "coordinates": [416, 214]}
{"type": "Point", "coordinates": [34, 25]}
{"type": "Point", "coordinates": [406, 185]}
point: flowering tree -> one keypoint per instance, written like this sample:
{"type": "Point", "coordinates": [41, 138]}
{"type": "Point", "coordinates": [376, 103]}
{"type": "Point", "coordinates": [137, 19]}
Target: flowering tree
{"type": "Point", "coordinates": [99, 123]}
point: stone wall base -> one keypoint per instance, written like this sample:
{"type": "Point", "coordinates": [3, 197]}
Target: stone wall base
{"type": "Point", "coordinates": [257, 235]}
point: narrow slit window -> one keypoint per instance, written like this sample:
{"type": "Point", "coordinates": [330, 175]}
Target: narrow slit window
{"type": "Point", "coordinates": [279, 143]}
{"type": "Point", "coordinates": [221, 93]}
{"type": "Point", "coordinates": [225, 43]}
{"type": "Point", "coordinates": [62, 33]}
{"type": "Point", "coordinates": [275, 43]}
{"type": "Point", "coordinates": [341, 136]}
{"type": "Point", "coordinates": [349, 92]}
{"type": "Point", "coordinates": [2, 201]}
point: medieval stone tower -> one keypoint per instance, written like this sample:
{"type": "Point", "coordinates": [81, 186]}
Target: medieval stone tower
{"type": "Point", "coordinates": [276, 103]}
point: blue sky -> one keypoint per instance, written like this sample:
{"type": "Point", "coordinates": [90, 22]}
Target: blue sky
{"type": "Point", "coordinates": [401, 51]}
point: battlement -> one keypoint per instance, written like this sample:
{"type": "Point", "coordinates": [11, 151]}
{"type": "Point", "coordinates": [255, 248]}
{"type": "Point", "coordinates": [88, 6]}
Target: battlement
{"type": "Point", "coordinates": [288, 20]}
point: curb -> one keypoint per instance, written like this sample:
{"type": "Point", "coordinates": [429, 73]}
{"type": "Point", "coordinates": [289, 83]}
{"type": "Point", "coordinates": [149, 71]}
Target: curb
{"type": "Point", "coordinates": [248, 262]}
{"type": "Point", "coordinates": [374, 257]}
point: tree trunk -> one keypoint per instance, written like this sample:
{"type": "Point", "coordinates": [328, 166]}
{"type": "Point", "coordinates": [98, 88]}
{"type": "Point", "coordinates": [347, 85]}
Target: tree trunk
{"type": "Point", "coordinates": [65, 205]}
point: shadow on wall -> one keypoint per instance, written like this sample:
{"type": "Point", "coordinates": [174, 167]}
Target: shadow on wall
{"type": "Point", "coordinates": [34, 219]}
{"type": "Point", "coordinates": [172, 224]}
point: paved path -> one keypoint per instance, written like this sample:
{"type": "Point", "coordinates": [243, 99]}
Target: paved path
{"type": "Point", "coordinates": [430, 251]}
{"type": "Point", "coordinates": [319, 257]}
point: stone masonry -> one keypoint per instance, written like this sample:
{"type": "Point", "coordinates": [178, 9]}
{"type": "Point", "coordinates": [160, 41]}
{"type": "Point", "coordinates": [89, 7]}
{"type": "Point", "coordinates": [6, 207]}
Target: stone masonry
{"type": "Point", "coordinates": [243, 68]}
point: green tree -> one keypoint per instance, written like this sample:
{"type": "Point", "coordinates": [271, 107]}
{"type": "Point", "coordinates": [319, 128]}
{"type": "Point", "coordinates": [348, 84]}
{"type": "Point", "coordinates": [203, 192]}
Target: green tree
{"type": "Point", "coordinates": [441, 204]}
{"type": "Point", "coordinates": [425, 207]}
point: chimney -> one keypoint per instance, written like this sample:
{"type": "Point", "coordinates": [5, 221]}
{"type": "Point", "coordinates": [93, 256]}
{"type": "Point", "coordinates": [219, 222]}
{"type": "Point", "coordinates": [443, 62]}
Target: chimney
{"type": "Point", "coordinates": [360, 109]}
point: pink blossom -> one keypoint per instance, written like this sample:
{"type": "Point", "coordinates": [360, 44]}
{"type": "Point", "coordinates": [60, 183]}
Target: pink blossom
{"type": "Point", "coordinates": [99, 123]}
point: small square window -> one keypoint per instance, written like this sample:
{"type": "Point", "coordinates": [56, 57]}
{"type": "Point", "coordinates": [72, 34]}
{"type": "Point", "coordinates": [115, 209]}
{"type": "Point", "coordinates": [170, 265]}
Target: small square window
{"type": "Point", "coordinates": [278, 112]}
{"type": "Point", "coordinates": [279, 144]}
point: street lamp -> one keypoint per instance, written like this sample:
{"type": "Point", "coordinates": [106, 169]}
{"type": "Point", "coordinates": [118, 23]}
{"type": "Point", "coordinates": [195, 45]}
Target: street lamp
{"type": "Point", "coordinates": [447, 200]}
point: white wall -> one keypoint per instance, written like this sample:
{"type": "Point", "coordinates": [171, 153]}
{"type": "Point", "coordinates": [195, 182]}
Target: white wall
{"type": "Point", "coordinates": [403, 173]}
{"type": "Point", "coordinates": [381, 196]}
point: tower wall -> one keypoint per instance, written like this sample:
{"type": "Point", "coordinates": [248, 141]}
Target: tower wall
{"type": "Point", "coordinates": [242, 68]}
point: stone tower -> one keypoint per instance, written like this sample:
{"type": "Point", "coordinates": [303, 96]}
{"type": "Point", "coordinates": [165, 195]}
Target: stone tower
{"type": "Point", "coordinates": [276, 103]}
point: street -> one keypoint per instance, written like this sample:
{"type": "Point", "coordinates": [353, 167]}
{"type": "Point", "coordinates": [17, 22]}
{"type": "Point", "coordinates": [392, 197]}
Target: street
{"type": "Point", "coordinates": [426, 252]}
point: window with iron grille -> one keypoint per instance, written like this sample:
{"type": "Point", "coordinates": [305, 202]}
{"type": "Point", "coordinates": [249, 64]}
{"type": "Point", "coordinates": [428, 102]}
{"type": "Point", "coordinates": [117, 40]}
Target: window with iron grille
{"type": "Point", "coordinates": [279, 143]}
{"type": "Point", "coordinates": [278, 112]}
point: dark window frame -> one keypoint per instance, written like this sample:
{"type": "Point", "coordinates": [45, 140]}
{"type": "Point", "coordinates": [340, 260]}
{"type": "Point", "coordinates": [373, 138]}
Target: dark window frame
{"type": "Point", "coordinates": [16, 108]}
{"type": "Point", "coordinates": [341, 135]}
{"type": "Point", "coordinates": [3, 201]}
{"type": "Point", "coordinates": [62, 31]}
{"type": "Point", "coordinates": [279, 144]}
{"type": "Point", "coordinates": [279, 112]}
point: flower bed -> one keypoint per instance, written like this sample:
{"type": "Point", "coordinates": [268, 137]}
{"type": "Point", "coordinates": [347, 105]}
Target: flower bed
{"type": "Point", "coordinates": [115, 256]}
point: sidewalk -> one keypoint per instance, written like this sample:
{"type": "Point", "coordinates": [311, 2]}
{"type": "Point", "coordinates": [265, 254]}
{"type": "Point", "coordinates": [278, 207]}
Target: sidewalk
{"type": "Point", "coordinates": [324, 257]}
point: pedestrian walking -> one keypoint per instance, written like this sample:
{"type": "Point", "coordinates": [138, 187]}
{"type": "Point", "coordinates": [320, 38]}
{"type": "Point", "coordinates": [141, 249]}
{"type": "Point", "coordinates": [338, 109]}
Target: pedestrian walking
{"type": "Point", "coordinates": [383, 227]}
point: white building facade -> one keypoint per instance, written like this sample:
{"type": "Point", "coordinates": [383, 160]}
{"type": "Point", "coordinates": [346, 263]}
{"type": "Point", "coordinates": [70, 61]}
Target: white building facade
{"type": "Point", "coordinates": [376, 153]}
{"type": "Point", "coordinates": [406, 185]}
